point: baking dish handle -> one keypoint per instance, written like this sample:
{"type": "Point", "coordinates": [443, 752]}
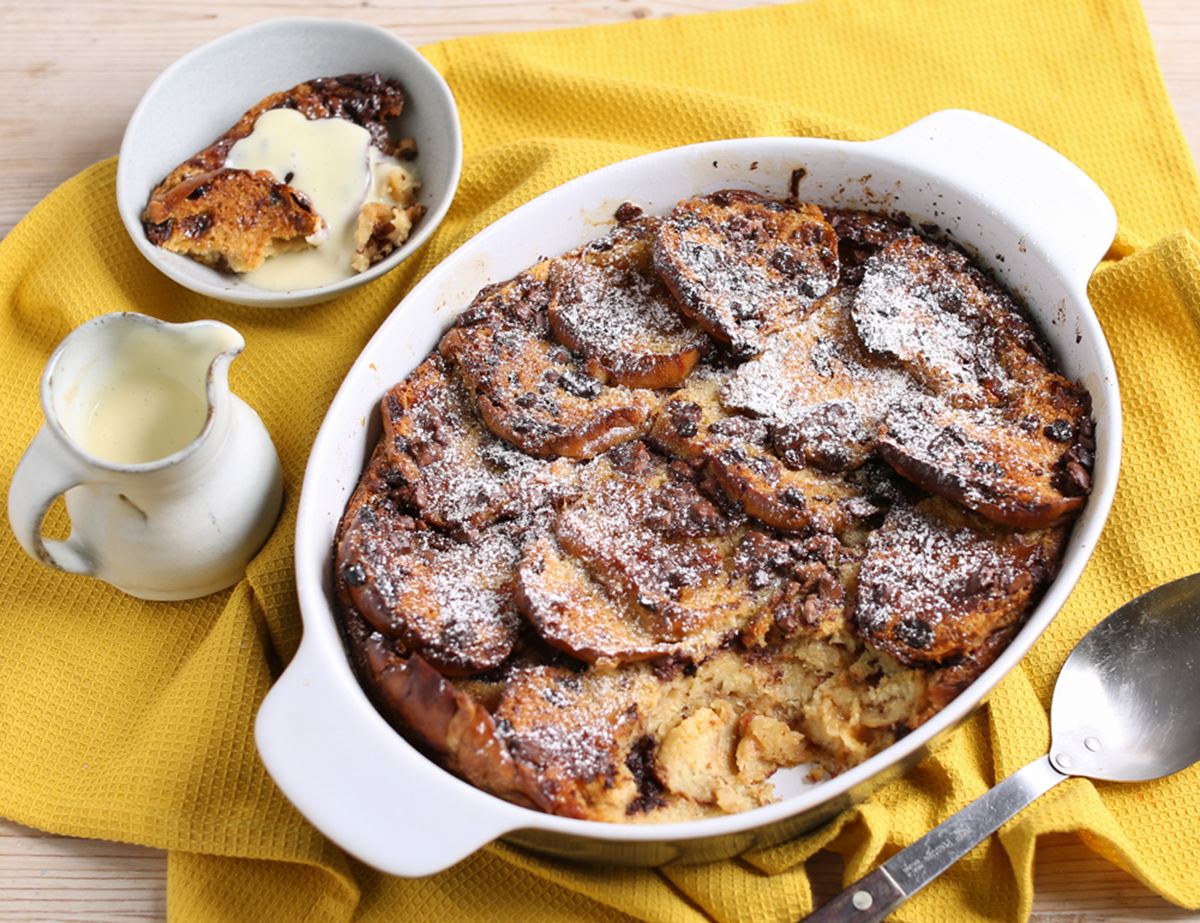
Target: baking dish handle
{"type": "Point", "coordinates": [1055, 207]}
{"type": "Point", "coordinates": [398, 812]}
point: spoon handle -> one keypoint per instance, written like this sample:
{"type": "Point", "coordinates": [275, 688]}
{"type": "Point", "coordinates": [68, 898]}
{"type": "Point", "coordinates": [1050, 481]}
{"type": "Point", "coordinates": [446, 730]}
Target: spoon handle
{"type": "Point", "coordinates": [876, 895]}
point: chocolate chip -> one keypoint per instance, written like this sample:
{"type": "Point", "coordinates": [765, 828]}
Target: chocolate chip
{"type": "Point", "coordinates": [915, 633]}
{"type": "Point", "coordinates": [640, 763]}
{"type": "Point", "coordinates": [195, 226]}
{"type": "Point", "coordinates": [579, 384]}
{"type": "Point", "coordinates": [685, 418]}
{"type": "Point", "coordinates": [793, 497]}
{"type": "Point", "coordinates": [983, 580]}
{"type": "Point", "coordinates": [159, 233]}
{"type": "Point", "coordinates": [1059, 431]}
{"type": "Point", "coordinates": [627, 212]}
{"type": "Point", "coordinates": [354, 574]}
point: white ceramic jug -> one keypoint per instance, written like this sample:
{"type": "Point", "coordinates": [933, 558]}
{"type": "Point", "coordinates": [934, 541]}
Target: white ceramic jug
{"type": "Point", "coordinates": [171, 482]}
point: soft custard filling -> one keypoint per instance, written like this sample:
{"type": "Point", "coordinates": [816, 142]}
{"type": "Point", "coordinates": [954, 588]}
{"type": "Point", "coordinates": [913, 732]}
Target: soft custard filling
{"type": "Point", "coordinates": [333, 162]}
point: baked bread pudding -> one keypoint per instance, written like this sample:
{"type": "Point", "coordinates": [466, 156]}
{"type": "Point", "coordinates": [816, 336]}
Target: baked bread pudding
{"type": "Point", "coordinates": [751, 486]}
{"type": "Point", "coordinates": [312, 168]}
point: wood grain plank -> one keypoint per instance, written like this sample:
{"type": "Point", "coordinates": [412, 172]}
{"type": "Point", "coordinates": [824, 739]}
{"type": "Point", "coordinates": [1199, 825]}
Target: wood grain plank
{"type": "Point", "coordinates": [117, 48]}
{"type": "Point", "coordinates": [49, 131]}
{"type": "Point", "coordinates": [52, 878]}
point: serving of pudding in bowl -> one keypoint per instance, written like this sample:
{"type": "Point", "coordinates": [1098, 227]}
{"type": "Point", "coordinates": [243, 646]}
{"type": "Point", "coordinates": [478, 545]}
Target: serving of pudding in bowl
{"type": "Point", "coordinates": [319, 155]}
{"type": "Point", "coordinates": [306, 189]}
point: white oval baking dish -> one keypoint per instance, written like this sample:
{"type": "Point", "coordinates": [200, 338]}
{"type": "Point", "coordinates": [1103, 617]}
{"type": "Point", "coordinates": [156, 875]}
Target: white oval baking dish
{"type": "Point", "coordinates": [1034, 219]}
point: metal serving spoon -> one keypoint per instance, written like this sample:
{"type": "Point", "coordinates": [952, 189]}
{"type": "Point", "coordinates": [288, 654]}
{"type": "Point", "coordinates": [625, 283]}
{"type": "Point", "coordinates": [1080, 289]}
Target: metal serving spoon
{"type": "Point", "coordinates": [1126, 708]}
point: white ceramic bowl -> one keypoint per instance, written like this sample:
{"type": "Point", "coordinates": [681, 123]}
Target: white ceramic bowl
{"type": "Point", "coordinates": [204, 93]}
{"type": "Point", "coordinates": [1034, 219]}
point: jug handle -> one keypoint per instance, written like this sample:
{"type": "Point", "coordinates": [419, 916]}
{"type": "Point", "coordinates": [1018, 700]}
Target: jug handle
{"type": "Point", "coordinates": [44, 473]}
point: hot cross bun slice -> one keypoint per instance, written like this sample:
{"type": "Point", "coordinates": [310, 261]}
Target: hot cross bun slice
{"type": "Point", "coordinates": [531, 392]}
{"type": "Point", "coordinates": [640, 565]}
{"type": "Point", "coordinates": [448, 600]}
{"type": "Point", "coordinates": [823, 395]}
{"type": "Point", "coordinates": [608, 305]}
{"type": "Point", "coordinates": [738, 262]}
{"type": "Point", "coordinates": [937, 582]}
{"type": "Point", "coordinates": [445, 464]}
{"type": "Point", "coordinates": [736, 451]}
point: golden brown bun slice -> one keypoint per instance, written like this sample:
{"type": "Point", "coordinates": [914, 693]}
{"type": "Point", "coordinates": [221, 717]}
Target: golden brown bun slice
{"type": "Point", "coordinates": [234, 219]}
{"type": "Point", "coordinates": [640, 565]}
{"type": "Point", "coordinates": [823, 395]}
{"type": "Point", "coordinates": [448, 600]}
{"type": "Point", "coordinates": [530, 391]}
{"type": "Point", "coordinates": [924, 306]}
{"type": "Point", "coordinates": [203, 218]}
{"type": "Point", "coordinates": [609, 306]}
{"type": "Point", "coordinates": [571, 733]}
{"type": "Point", "coordinates": [997, 429]}
{"type": "Point", "coordinates": [739, 262]}
{"type": "Point", "coordinates": [938, 582]}
{"type": "Point", "coordinates": [1018, 477]}
{"type": "Point", "coordinates": [446, 465]}
{"type": "Point", "coordinates": [736, 451]}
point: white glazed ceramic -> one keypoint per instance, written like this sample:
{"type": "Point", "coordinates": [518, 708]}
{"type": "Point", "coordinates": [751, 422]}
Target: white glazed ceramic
{"type": "Point", "coordinates": [1034, 219]}
{"type": "Point", "coordinates": [178, 527]}
{"type": "Point", "coordinates": [200, 96]}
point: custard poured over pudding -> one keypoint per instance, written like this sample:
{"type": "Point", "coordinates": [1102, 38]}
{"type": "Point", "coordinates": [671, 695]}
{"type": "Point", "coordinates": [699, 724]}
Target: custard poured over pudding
{"type": "Point", "coordinates": [307, 189]}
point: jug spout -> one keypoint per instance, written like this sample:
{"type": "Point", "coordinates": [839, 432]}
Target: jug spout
{"type": "Point", "coordinates": [212, 346]}
{"type": "Point", "coordinates": [216, 339]}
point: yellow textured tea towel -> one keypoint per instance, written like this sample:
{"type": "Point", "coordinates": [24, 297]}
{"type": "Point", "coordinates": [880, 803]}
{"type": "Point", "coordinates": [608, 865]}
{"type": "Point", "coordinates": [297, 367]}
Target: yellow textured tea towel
{"type": "Point", "coordinates": [132, 721]}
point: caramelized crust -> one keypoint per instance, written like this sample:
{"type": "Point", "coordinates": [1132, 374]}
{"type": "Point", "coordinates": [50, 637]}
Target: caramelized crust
{"type": "Point", "coordinates": [937, 582]}
{"type": "Point", "coordinates": [234, 219]}
{"type": "Point", "coordinates": [530, 392]}
{"type": "Point", "coordinates": [1015, 475]}
{"type": "Point", "coordinates": [447, 600]}
{"type": "Point", "coordinates": [460, 731]}
{"type": "Point", "coordinates": [997, 430]}
{"type": "Point", "coordinates": [449, 468]}
{"type": "Point", "coordinates": [739, 263]}
{"type": "Point", "coordinates": [789, 499]}
{"type": "Point", "coordinates": [368, 100]}
{"type": "Point", "coordinates": [608, 306]}
{"type": "Point", "coordinates": [860, 236]}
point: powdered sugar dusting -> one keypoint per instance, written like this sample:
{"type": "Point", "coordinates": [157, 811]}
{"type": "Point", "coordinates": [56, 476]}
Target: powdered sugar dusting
{"type": "Point", "coordinates": [457, 473]}
{"type": "Point", "coordinates": [817, 360]}
{"type": "Point", "coordinates": [925, 307]}
{"type": "Point", "coordinates": [568, 724]}
{"type": "Point", "coordinates": [739, 262]}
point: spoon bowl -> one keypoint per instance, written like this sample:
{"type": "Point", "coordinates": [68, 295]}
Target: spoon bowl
{"type": "Point", "coordinates": [1124, 707]}
{"type": "Point", "coordinates": [1124, 710]}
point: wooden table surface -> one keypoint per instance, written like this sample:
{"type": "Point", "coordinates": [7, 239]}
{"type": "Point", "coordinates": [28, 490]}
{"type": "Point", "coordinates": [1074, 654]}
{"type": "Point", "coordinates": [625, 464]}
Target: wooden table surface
{"type": "Point", "coordinates": [49, 129]}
